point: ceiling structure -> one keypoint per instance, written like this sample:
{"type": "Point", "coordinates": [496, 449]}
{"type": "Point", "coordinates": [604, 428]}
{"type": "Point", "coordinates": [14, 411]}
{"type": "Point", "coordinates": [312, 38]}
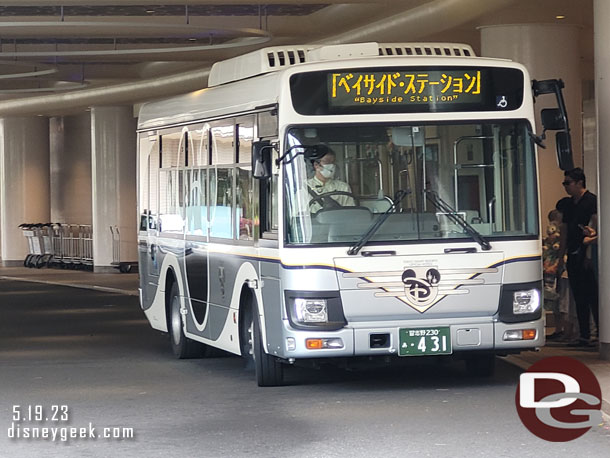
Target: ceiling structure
{"type": "Point", "coordinates": [61, 55]}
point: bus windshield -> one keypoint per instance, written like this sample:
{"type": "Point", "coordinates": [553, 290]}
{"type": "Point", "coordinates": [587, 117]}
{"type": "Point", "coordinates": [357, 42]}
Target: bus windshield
{"type": "Point", "coordinates": [483, 172]}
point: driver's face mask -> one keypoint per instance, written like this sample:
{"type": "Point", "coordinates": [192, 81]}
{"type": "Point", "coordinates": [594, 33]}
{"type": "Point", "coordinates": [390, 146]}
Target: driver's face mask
{"type": "Point", "coordinates": [327, 170]}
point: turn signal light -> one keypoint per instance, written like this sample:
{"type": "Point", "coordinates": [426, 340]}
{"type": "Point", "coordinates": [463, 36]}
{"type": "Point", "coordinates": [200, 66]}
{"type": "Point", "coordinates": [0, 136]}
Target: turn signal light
{"type": "Point", "coordinates": [520, 334]}
{"type": "Point", "coordinates": [327, 342]}
{"type": "Point", "coordinates": [529, 334]}
{"type": "Point", "coordinates": [314, 344]}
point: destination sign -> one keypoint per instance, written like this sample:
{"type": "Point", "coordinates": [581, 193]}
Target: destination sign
{"type": "Point", "coordinates": [403, 88]}
{"type": "Point", "coordinates": [407, 90]}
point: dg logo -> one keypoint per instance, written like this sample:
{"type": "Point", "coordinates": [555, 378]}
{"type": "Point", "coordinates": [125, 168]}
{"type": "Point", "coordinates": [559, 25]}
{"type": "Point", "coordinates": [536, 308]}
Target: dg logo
{"type": "Point", "coordinates": [421, 292]}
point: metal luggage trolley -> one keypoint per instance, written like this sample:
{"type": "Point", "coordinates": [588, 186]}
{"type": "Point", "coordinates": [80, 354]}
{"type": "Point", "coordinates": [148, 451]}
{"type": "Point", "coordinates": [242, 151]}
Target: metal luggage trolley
{"type": "Point", "coordinates": [34, 244]}
{"type": "Point", "coordinates": [40, 246]}
{"type": "Point", "coordinates": [124, 267]}
{"type": "Point", "coordinates": [85, 246]}
{"type": "Point", "coordinates": [48, 251]}
{"type": "Point", "coordinates": [69, 246]}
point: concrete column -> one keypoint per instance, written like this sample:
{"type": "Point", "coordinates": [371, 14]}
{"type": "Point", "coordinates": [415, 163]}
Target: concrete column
{"type": "Point", "coordinates": [547, 51]}
{"type": "Point", "coordinates": [601, 16]}
{"type": "Point", "coordinates": [71, 169]}
{"type": "Point", "coordinates": [24, 182]}
{"type": "Point", "coordinates": [113, 170]}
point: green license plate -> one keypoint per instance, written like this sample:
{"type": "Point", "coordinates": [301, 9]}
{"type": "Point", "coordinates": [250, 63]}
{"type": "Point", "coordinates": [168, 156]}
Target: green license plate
{"type": "Point", "coordinates": [425, 341]}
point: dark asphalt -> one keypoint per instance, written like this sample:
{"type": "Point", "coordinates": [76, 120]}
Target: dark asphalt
{"type": "Point", "coordinates": [96, 353]}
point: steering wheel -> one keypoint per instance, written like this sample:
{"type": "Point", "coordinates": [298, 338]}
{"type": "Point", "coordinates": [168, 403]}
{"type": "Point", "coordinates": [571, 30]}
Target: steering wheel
{"type": "Point", "coordinates": [321, 198]}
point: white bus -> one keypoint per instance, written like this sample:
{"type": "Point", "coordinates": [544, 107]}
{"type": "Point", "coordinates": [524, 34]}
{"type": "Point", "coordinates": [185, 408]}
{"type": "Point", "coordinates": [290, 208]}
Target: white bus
{"type": "Point", "coordinates": [422, 238]}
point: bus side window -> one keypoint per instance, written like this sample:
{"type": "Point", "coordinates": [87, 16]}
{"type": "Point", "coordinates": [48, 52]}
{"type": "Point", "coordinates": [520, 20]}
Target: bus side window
{"type": "Point", "coordinates": [244, 211]}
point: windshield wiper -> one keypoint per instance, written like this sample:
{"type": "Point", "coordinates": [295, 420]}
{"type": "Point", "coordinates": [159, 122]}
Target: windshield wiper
{"type": "Point", "coordinates": [454, 216]}
{"type": "Point", "coordinates": [354, 249]}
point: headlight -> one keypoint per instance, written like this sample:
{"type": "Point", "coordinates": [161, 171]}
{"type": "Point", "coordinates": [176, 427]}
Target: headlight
{"type": "Point", "coordinates": [314, 310]}
{"type": "Point", "coordinates": [526, 301]}
{"type": "Point", "coordinates": [310, 310]}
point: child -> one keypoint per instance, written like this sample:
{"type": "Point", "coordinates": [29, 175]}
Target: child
{"type": "Point", "coordinates": [556, 284]}
{"type": "Point", "coordinates": [550, 262]}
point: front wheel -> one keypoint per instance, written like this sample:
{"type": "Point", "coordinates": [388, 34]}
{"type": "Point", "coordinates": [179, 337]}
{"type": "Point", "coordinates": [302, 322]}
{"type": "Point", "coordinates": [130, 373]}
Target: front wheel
{"type": "Point", "coordinates": [182, 346]}
{"type": "Point", "coordinates": [269, 371]}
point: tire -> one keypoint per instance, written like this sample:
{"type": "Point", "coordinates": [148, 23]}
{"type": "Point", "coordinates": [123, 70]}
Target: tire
{"type": "Point", "coordinates": [481, 365]}
{"type": "Point", "coordinates": [26, 261]}
{"type": "Point", "coordinates": [268, 370]}
{"type": "Point", "coordinates": [182, 346]}
{"type": "Point", "coordinates": [41, 262]}
{"type": "Point", "coordinates": [124, 268]}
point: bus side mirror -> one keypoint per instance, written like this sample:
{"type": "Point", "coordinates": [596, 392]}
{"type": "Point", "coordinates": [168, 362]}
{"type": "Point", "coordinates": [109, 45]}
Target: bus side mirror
{"type": "Point", "coordinates": [261, 159]}
{"type": "Point", "coordinates": [563, 144]}
{"type": "Point", "coordinates": [552, 119]}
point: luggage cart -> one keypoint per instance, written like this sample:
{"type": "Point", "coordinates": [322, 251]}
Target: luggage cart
{"type": "Point", "coordinates": [124, 267]}
{"type": "Point", "coordinates": [85, 246]}
{"type": "Point", "coordinates": [32, 236]}
{"type": "Point", "coordinates": [56, 232]}
{"type": "Point", "coordinates": [46, 235]}
{"type": "Point", "coordinates": [69, 246]}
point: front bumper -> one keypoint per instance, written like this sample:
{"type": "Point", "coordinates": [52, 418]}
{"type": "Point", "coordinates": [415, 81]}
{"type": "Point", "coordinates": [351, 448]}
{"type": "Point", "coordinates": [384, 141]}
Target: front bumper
{"type": "Point", "coordinates": [466, 335]}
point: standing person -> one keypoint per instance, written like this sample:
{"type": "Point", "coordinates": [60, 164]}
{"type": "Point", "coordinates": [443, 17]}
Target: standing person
{"type": "Point", "coordinates": [324, 182]}
{"type": "Point", "coordinates": [579, 214]}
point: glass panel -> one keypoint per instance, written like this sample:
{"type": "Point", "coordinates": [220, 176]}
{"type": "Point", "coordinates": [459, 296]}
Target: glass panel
{"type": "Point", "coordinates": [172, 150]}
{"type": "Point", "coordinates": [246, 134]}
{"type": "Point", "coordinates": [221, 202]}
{"type": "Point", "coordinates": [170, 213]}
{"type": "Point", "coordinates": [198, 146]}
{"type": "Point", "coordinates": [244, 218]}
{"type": "Point", "coordinates": [223, 151]}
{"type": "Point", "coordinates": [484, 172]}
{"type": "Point", "coordinates": [197, 210]}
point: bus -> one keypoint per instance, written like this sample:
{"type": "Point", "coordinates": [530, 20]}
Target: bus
{"type": "Point", "coordinates": [346, 201]}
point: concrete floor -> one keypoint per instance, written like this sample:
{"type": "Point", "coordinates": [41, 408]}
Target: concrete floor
{"type": "Point", "coordinates": [94, 352]}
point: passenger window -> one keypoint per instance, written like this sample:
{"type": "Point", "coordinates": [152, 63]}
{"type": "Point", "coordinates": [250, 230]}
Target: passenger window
{"type": "Point", "coordinates": [198, 146]}
{"type": "Point", "coordinates": [171, 182]}
{"type": "Point", "coordinates": [197, 210]}
{"type": "Point", "coordinates": [221, 202]}
{"type": "Point", "coordinates": [223, 139]}
{"type": "Point", "coordinates": [245, 132]}
{"type": "Point", "coordinates": [244, 217]}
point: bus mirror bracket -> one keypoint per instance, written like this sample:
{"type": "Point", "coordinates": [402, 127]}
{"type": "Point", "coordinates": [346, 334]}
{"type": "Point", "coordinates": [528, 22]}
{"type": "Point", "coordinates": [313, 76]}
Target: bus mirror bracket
{"type": "Point", "coordinates": [261, 159]}
{"type": "Point", "coordinates": [556, 119]}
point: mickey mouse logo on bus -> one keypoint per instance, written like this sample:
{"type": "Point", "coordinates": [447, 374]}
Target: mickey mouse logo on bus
{"type": "Point", "coordinates": [419, 291]}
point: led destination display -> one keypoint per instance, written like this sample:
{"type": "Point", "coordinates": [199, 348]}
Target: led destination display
{"type": "Point", "coordinates": [407, 90]}
{"type": "Point", "coordinates": [395, 87]}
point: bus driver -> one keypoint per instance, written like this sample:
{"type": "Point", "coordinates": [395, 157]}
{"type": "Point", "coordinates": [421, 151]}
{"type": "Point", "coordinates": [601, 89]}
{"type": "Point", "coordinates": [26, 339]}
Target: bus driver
{"type": "Point", "coordinates": [324, 190]}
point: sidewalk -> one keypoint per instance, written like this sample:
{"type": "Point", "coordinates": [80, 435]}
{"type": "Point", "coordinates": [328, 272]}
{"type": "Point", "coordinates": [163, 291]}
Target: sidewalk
{"type": "Point", "coordinates": [128, 284]}
{"type": "Point", "coordinates": [110, 282]}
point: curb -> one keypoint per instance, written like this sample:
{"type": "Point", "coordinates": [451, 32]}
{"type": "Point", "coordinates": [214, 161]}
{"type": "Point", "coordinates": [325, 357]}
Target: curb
{"type": "Point", "coordinates": [106, 289]}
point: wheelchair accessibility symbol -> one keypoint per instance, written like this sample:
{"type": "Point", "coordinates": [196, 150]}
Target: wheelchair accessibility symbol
{"type": "Point", "coordinates": [501, 101]}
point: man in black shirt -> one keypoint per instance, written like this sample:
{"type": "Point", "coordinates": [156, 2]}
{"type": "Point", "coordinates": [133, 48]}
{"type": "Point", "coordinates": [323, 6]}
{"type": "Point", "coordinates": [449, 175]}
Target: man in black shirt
{"type": "Point", "coordinates": [578, 223]}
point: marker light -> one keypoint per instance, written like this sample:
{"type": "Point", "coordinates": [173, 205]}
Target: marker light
{"type": "Point", "coordinates": [291, 344]}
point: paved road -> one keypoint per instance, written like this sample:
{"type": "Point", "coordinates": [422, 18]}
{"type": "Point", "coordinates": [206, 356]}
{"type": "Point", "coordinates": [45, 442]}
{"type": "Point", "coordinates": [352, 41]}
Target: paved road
{"type": "Point", "coordinates": [95, 353]}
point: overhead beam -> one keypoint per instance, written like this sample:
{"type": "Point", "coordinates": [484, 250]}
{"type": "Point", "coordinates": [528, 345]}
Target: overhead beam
{"type": "Point", "coordinates": [183, 2]}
